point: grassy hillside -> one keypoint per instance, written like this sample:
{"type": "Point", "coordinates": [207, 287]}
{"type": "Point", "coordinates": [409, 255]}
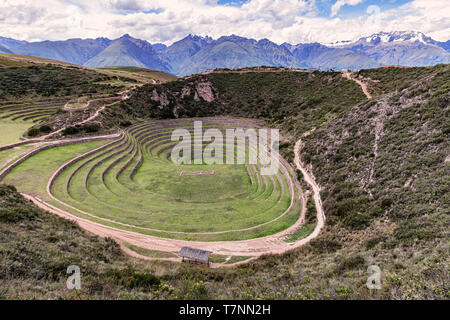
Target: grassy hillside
{"type": "Point", "coordinates": [296, 101]}
{"type": "Point", "coordinates": [143, 74]}
{"type": "Point", "coordinates": [388, 158]}
{"type": "Point", "coordinates": [35, 81]}
{"type": "Point", "coordinates": [35, 90]}
{"type": "Point", "coordinates": [15, 60]}
{"type": "Point", "coordinates": [382, 164]}
{"type": "Point", "coordinates": [36, 248]}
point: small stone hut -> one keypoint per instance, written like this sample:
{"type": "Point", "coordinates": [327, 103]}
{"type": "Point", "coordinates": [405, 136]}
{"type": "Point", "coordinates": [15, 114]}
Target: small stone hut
{"type": "Point", "coordinates": [195, 256]}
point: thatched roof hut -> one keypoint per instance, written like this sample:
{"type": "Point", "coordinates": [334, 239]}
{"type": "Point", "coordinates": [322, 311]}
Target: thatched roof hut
{"type": "Point", "coordinates": [196, 256]}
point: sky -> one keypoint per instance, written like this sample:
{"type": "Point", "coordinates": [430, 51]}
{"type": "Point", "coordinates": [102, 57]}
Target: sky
{"type": "Point", "coordinates": [166, 21]}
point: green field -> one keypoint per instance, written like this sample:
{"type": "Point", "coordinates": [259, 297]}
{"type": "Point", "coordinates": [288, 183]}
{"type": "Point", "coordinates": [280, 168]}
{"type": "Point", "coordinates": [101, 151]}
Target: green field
{"type": "Point", "coordinates": [10, 155]}
{"type": "Point", "coordinates": [17, 117]}
{"type": "Point", "coordinates": [132, 184]}
{"type": "Point", "coordinates": [11, 131]}
{"type": "Point", "coordinates": [32, 175]}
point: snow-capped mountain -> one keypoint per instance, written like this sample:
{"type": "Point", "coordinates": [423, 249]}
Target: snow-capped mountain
{"type": "Point", "coordinates": [392, 37]}
{"type": "Point", "coordinates": [410, 48]}
{"type": "Point", "coordinates": [411, 36]}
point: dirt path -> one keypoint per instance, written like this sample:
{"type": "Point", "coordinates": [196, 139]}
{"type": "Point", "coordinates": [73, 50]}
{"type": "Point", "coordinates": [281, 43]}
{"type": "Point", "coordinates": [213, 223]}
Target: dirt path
{"type": "Point", "coordinates": [363, 85]}
{"type": "Point", "coordinates": [95, 115]}
{"type": "Point", "coordinates": [123, 95]}
{"type": "Point", "coordinates": [309, 178]}
{"type": "Point", "coordinates": [67, 108]}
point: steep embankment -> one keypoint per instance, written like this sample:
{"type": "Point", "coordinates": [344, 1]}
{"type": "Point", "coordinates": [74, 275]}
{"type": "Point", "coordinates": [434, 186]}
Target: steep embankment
{"type": "Point", "coordinates": [387, 157]}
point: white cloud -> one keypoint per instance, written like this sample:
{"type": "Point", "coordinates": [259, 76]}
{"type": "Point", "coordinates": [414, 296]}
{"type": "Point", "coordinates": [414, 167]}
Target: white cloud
{"type": "Point", "coordinates": [170, 20]}
{"type": "Point", "coordinates": [337, 6]}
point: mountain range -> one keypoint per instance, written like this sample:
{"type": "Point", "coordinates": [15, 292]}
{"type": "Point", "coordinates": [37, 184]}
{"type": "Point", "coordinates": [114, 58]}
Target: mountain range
{"type": "Point", "coordinates": [196, 54]}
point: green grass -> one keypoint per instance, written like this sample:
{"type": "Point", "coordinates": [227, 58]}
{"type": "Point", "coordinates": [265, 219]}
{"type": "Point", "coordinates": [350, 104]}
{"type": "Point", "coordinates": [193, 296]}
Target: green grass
{"type": "Point", "coordinates": [36, 248]}
{"type": "Point", "coordinates": [9, 155]}
{"type": "Point", "coordinates": [235, 259]}
{"type": "Point", "coordinates": [217, 258]}
{"type": "Point", "coordinates": [406, 234]}
{"type": "Point", "coordinates": [301, 233]}
{"type": "Point", "coordinates": [32, 175]}
{"type": "Point", "coordinates": [11, 130]}
{"type": "Point", "coordinates": [150, 253]}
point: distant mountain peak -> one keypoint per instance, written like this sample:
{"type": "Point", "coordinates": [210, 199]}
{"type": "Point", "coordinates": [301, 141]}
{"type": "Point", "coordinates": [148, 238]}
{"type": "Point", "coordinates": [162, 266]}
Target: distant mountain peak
{"type": "Point", "coordinates": [10, 43]}
{"type": "Point", "coordinates": [388, 37]}
{"type": "Point", "coordinates": [233, 37]}
{"type": "Point", "coordinates": [195, 37]}
{"type": "Point", "coordinates": [411, 36]}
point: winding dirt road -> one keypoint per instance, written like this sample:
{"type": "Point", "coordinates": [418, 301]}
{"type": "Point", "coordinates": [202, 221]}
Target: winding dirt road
{"type": "Point", "coordinates": [363, 85]}
{"type": "Point", "coordinates": [309, 179]}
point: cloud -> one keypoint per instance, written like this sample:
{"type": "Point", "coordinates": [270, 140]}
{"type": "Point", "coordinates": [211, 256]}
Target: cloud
{"type": "Point", "coordinates": [167, 21]}
{"type": "Point", "coordinates": [337, 6]}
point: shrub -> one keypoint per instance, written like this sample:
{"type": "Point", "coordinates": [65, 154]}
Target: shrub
{"type": "Point", "coordinates": [125, 124]}
{"type": "Point", "coordinates": [91, 127]}
{"type": "Point", "coordinates": [14, 215]}
{"type": "Point", "coordinates": [132, 279]}
{"type": "Point", "coordinates": [371, 243]}
{"type": "Point", "coordinates": [71, 130]}
{"type": "Point", "coordinates": [45, 129]}
{"type": "Point", "coordinates": [350, 263]}
{"type": "Point", "coordinates": [33, 132]}
{"type": "Point", "coordinates": [323, 245]}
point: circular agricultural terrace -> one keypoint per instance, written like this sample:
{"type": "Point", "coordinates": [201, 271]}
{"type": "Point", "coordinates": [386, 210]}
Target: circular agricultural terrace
{"type": "Point", "coordinates": [133, 183]}
{"type": "Point", "coordinates": [130, 183]}
{"type": "Point", "coordinates": [34, 111]}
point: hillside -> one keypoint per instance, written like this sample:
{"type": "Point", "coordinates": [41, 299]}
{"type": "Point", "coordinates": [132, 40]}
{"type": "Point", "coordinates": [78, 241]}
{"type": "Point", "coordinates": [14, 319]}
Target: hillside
{"type": "Point", "coordinates": [297, 100]}
{"type": "Point", "coordinates": [38, 92]}
{"type": "Point", "coordinates": [31, 81]}
{"type": "Point", "coordinates": [27, 76]}
{"type": "Point", "coordinates": [35, 247]}
{"type": "Point", "coordinates": [142, 74]}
